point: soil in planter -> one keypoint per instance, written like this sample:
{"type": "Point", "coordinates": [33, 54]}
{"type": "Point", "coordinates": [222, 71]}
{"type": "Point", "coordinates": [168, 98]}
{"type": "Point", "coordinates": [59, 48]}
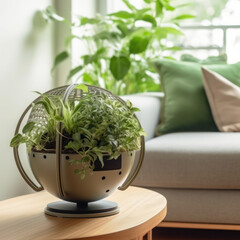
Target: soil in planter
{"type": "Point", "coordinates": [50, 147]}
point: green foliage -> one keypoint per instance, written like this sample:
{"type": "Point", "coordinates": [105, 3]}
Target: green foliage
{"type": "Point", "coordinates": [138, 44]}
{"type": "Point", "coordinates": [119, 66]}
{"type": "Point", "coordinates": [92, 126]}
{"type": "Point", "coordinates": [122, 44]}
{"type": "Point", "coordinates": [60, 58]}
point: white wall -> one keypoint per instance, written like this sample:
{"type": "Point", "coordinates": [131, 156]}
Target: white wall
{"type": "Point", "coordinates": [27, 49]}
{"type": "Point", "coordinates": [25, 63]}
{"type": "Point", "coordinates": [78, 47]}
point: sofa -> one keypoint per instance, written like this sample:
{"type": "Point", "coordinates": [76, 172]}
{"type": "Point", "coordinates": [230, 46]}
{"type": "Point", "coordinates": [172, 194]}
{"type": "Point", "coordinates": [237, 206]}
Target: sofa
{"type": "Point", "coordinates": [197, 171]}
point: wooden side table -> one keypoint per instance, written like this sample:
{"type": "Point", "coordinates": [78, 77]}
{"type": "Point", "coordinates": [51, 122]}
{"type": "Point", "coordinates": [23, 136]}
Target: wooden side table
{"type": "Point", "coordinates": [140, 211]}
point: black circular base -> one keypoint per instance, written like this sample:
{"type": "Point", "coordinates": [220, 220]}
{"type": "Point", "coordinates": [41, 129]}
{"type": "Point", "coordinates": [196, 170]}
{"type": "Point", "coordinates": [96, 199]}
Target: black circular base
{"type": "Point", "coordinates": [82, 210]}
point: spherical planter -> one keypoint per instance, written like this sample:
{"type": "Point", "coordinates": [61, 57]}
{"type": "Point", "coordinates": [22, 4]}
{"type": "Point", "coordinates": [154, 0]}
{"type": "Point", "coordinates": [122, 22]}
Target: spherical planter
{"type": "Point", "coordinates": [55, 169]}
{"type": "Point", "coordinates": [96, 185]}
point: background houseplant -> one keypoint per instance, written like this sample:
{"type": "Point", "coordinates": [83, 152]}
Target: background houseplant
{"type": "Point", "coordinates": [120, 45]}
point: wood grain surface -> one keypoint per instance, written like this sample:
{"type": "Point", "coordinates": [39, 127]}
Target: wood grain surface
{"type": "Point", "coordinates": [24, 218]}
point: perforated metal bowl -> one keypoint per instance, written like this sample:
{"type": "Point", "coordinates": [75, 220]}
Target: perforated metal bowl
{"type": "Point", "coordinates": [53, 172]}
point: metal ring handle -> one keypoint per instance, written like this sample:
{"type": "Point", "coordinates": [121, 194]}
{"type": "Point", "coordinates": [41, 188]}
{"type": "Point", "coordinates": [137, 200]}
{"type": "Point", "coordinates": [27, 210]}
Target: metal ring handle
{"type": "Point", "coordinates": [17, 159]}
{"type": "Point", "coordinates": [130, 179]}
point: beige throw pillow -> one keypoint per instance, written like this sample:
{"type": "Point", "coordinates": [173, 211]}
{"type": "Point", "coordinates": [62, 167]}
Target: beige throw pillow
{"type": "Point", "coordinates": [224, 99]}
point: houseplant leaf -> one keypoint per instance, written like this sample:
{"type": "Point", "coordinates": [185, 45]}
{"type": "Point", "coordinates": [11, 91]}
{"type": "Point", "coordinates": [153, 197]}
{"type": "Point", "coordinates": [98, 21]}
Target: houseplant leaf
{"type": "Point", "coordinates": [53, 15]}
{"type": "Point", "coordinates": [122, 14]}
{"type": "Point", "coordinates": [158, 8]}
{"type": "Point", "coordinates": [148, 18]}
{"type": "Point", "coordinates": [119, 66]}
{"type": "Point", "coordinates": [183, 16]}
{"type": "Point", "coordinates": [60, 58]}
{"type": "Point", "coordinates": [82, 87]}
{"type": "Point", "coordinates": [129, 5]}
{"type": "Point", "coordinates": [162, 32]}
{"type": "Point", "coordinates": [28, 127]}
{"type": "Point", "coordinates": [86, 20]}
{"type": "Point", "coordinates": [16, 140]}
{"type": "Point", "coordinates": [138, 44]}
{"type": "Point", "coordinates": [74, 71]}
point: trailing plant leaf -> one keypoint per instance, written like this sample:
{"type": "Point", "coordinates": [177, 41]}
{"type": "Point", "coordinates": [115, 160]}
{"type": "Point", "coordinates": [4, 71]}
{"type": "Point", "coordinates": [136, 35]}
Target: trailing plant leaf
{"type": "Point", "coordinates": [45, 105]}
{"type": "Point", "coordinates": [18, 139]}
{"type": "Point", "coordinates": [91, 126]}
{"type": "Point", "coordinates": [82, 87]}
{"type": "Point", "coordinates": [100, 157]}
{"type": "Point", "coordinates": [28, 127]}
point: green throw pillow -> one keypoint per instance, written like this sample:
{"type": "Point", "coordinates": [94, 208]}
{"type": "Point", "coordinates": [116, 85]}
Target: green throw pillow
{"type": "Point", "coordinates": [185, 106]}
{"type": "Point", "coordinates": [222, 58]}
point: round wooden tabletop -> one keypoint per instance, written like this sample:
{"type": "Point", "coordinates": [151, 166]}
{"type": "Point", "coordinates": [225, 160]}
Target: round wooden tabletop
{"type": "Point", "coordinates": [140, 211]}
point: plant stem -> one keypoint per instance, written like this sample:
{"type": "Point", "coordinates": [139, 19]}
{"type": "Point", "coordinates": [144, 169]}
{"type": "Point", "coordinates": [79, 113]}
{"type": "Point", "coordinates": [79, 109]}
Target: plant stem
{"type": "Point", "coordinates": [127, 85]}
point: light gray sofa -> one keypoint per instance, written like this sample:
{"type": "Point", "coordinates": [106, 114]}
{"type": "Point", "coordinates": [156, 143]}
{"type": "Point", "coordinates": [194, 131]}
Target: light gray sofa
{"type": "Point", "coordinates": [198, 172]}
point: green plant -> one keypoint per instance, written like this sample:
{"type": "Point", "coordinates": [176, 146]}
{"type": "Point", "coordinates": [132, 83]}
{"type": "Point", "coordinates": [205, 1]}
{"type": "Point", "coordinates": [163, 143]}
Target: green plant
{"type": "Point", "coordinates": [121, 45]}
{"type": "Point", "coordinates": [91, 126]}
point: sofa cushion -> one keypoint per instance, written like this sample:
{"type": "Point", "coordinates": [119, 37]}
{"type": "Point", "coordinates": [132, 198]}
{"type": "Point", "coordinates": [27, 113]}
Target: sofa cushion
{"type": "Point", "coordinates": [202, 206]}
{"type": "Point", "coordinates": [197, 160]}
{"type": "Point", "coordinates": [222, 58]}
{"type": "Point", "coordinates": [224, 99]}
{"type": "Point", "coordinates": [185, 106]}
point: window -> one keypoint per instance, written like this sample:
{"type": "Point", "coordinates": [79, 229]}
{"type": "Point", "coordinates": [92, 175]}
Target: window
{"type": "Point", "coordinates": [204, 37]}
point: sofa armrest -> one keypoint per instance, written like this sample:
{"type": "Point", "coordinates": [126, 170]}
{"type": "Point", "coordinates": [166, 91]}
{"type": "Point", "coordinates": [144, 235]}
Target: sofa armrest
{"type": "Point", "coordinates": [150, 105]}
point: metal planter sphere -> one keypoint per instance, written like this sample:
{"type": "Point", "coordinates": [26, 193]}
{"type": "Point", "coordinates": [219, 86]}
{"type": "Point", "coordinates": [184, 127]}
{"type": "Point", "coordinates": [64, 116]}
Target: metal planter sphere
{"type": "Point", "coordinates": [94, 186]}
{"type": "Point", "coordinates": [55, 173]}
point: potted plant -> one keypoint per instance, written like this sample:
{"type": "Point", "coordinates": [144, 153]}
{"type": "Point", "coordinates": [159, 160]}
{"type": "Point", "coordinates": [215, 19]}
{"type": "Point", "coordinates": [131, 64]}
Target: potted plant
{"type": "Point", "coordinates": [81, 142]}
{"type": "Point", "coordinates": [120, 46]}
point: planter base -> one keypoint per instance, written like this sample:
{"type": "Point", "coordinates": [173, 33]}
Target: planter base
{"type": "Point", "coordinates": [82, 210]}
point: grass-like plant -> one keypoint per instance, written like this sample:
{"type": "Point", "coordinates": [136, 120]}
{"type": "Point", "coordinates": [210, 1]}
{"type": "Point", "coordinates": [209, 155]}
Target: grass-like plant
{"type": "Point", "coordinates": [91, 126]}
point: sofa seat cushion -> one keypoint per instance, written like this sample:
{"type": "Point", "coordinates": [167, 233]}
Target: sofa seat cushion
{"type": "Point", "coordinates": [202, 206]}
{"type": "Point", "coordinates": [192, 160]}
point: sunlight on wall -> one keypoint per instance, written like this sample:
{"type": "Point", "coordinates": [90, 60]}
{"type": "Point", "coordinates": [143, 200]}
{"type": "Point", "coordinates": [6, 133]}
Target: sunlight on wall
{"type": "Point", "coordinates": [86, 10]}
{"type": "Point", "coordinates": [26, 59]}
